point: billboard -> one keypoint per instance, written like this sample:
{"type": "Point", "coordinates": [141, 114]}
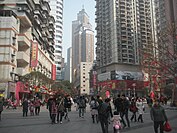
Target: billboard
{"type": "Point", "coordinates": [104, 76]}
{"type": "Point", "coordinates": [126, 75]}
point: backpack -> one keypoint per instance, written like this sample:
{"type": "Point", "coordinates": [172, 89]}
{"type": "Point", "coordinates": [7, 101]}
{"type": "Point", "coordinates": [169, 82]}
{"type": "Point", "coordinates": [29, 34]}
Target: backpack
{"type": "Point", "coordinates": [82, 103]}
{"type": "Point", "coordinates": [94, 104]}
{"type": "Point", "coordinates": [103, 110]}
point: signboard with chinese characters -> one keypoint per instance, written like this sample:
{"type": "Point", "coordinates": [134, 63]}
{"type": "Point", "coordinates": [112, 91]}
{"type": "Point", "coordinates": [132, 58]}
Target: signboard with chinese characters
{"type": "Point", "coordinates": [34, 54]}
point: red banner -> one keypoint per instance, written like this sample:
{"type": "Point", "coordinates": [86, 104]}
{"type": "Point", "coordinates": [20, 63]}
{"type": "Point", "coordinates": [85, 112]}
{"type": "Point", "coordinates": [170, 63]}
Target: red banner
{"type": "Point", "coordinates": [53, 72]}
{"type": "Point", "coordinates": [94, 78]}
{"type": "Point", "coordinates": [34, 54]}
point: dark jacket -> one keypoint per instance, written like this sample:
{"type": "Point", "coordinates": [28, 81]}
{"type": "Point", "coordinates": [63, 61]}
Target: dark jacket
{"type": "Point", "coordinates": [118, 104]}
{"type": "Point", "coordinates": [104, 110]}
{"type": "Point", "coordinates": [1, 105]}
{"type": "Point", "coordinates": [82, 103]}
{"type": "Point", "coordinates": [158, 113]}
{"type": "Point", "coordinates": [25, 106]}
{"type": "Point", "coordinates": [67, 103]}
{"type": "Point", "coordinates": [49, 103]}
{"type": "Point", "coordinates": [125, 105]}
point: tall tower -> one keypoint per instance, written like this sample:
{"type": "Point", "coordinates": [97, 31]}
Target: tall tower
{"type": "Point", "coordinates": [57, 12]}
{"type": "Point", "coordinates": [82, 41]}
{"type": "Point", "coordinates": [68, 70]}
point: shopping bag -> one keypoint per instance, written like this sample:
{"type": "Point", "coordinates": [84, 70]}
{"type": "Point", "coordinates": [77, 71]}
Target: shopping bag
{"type": "Point", "coordinates": [167, 127]}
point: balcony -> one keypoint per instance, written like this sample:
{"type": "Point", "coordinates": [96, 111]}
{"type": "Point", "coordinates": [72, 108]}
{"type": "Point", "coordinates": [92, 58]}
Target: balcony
{"type": "Point", "coordinates": [22, 59]}
{"type": "Point", "coordinates": [23, 41]}
{"type": "Point", "coordinates": [21, 71]}
{"type": "Point", "coordinates": [25, 21]}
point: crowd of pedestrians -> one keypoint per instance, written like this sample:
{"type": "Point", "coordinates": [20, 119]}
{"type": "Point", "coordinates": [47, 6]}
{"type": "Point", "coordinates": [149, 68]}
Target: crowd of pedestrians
{"type": "Point", "coordinates": [101, 110]}
{"type": "Point", "coordinates": [122, 106]}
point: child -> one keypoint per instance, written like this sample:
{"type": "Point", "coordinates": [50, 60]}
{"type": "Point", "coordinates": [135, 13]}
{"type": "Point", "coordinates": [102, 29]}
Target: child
{"type": "Point", "coordinates": [31, 108]}
{"type": "Point", "coordinates": [116, 122]}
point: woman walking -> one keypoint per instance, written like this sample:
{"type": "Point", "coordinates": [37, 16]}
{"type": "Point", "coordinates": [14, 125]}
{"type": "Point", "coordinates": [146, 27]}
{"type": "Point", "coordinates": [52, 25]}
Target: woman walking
{"type": "Point", "coordinates": [54, 110]}
{"type": "Point", "coordinates": [140, 106]}
{"type": "Point", "coordinates": [37, 104]}
{"type": "Point", "coordinates": [94, 109]}
{"type": "Point", "coordinates": [61, 111]}
{"type": "Point", "coordinates": [133, 109]}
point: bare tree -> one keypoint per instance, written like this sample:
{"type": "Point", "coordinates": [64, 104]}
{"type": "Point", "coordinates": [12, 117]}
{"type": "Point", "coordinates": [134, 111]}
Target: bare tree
{"type": "Point", "coordinates": [161, 62]}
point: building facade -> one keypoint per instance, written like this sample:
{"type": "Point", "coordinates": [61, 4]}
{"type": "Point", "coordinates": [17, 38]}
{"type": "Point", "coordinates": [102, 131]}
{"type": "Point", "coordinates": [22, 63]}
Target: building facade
{"type": "Point", "coordinates": [26, 42]}
{"type": "Point", "coordinates": [123, 35]}
{"type": "Point", "coordinates": [85, 68]}
{"type": "Point", "coordinates": [57, 12]}
{"type": "Point", "coordinates": [68, 70]}
{"type": "Point", "coordinates": [82, 41]}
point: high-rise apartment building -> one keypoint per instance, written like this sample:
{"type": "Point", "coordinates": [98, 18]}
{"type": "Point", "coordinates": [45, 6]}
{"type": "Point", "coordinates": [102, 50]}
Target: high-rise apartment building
{"type": "Point", "coordinates": [26, 42]}
{"type": "Point", "coordinates": [123, 35]}
{"type": "Point", "coordinates": [82, 41]}
{"type": "Point", "coordinates": [57, 12]}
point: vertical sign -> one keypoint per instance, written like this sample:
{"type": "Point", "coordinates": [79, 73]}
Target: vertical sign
{"type": "Point", "coordinates": [94, 78]}
{"type": "Point", "coordinates": [53, 72]}
{"type": "Point", "coordinates": [34, 54]}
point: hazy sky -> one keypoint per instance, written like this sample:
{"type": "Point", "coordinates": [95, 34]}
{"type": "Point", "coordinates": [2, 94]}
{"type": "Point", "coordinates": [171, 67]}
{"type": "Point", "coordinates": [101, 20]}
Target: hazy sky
{"type": "Point", "coordinates": [71, 8]}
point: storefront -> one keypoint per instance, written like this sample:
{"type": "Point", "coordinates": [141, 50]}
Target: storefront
{"type": "Point", "coordinates": [22, 91]}
{"type": "Point", "coordinates": [2, 89]}
{"type": "Point", "coordinates": [128, 87]}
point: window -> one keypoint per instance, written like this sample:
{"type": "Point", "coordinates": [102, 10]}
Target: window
{"type": "Point", "coordinates": [58, 68]}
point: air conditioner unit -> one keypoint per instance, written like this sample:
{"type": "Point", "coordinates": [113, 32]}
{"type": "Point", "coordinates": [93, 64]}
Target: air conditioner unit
{"type": "Point", "coordinates": [35, 16]}
{"type": "Point", "coordinates": [19, 8]}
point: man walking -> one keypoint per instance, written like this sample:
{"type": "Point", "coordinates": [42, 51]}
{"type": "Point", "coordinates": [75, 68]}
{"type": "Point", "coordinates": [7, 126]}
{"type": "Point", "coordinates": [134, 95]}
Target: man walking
{"type": "Point", "coordinates": [104, 112]}
{"type": "Point", "coordinates": [25, 107]}
{"type": "Point", "coordinates": [82, 106]}
{"type": "Point", "coordinates": [158, 116]}
{"type": "Point", "coordinates": [124, 111]}
{"type": "Point", "coordinates": [118, 103]}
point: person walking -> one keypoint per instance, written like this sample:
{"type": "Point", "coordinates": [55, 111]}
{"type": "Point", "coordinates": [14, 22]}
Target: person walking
{"type": "Point", "coordinates": [82, 106]}
{"type": "Point", "coordinates": [94, 109]}
{"type": "Point", "coordinates": [124, 111]}
{"type": "Point", "coordinates": [140, 106]}
{"type": "Point", "coordinates": [1, 106]}
{"type": "Point", "coordinates": [54, 110]}
{"type": "Point", "coordinates": [67, 105]}
{"type": "Point", "coordinates": [49, 105]}
{"type": "Point", "coordinates": [133, 109]}
{"type": "Point", "coordinates": [61, 109]}
{"type": "Point", "coordinates": [25, 107]}
{"type": "Point", "coordinates": [116, 122]}
{"type": "Point", "coordinates": [31, 108]}
{"type": "Point", "coordinates": [118, 103]}
{"type": "Point", "coordinates": [158, 116]}
{"type": "Point", "coordinates": [104, 112]}
{"type": "Point", "coordinates": [37, 104]}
